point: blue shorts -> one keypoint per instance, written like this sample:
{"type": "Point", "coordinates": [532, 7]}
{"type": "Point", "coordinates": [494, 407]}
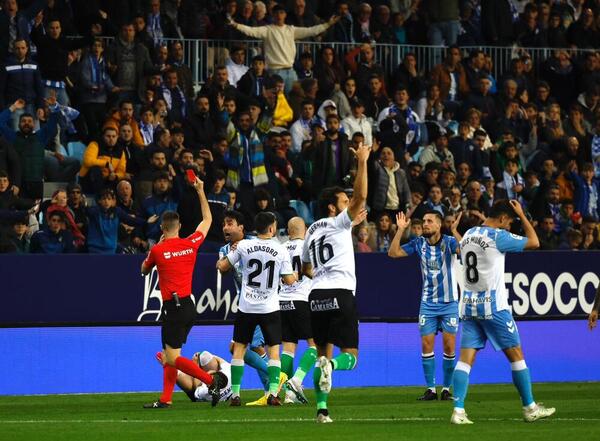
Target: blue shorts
{"type": "Point", "coordinates": [438, 317]}
{"type": "Point", "coordinates": [258, 340]}
{"type": "Point", "coordinates": [501, 330]}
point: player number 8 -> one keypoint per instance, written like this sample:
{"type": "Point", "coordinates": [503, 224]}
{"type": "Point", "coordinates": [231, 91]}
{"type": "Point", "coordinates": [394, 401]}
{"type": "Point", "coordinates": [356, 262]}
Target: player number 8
{"type": "Point", "coordinates": [472, 273]}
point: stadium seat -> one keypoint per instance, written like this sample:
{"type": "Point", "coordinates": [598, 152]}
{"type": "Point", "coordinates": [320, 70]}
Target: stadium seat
{"type": "Point", "coordinates": [51, 187]}
{"type": "Point", "coordinates": [76, 149]}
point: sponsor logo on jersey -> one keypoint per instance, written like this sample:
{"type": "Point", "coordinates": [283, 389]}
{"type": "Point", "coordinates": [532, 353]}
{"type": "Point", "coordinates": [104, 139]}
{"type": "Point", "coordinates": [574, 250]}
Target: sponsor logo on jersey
{"type": "Point", "coordinates": [167, 255]}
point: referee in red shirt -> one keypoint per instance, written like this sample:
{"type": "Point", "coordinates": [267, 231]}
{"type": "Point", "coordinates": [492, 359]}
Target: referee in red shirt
{"type": "Point", "coordinates": [175, 259]}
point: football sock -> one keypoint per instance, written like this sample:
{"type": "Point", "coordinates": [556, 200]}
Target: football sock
{"type": "Point", "coordinates": [428, 361]}
{"type": "Point", "coordinates": [287, 363]}
{"type": "Point", "coordinates": [187, 366]}
{"type": "Point", "coordinates": [169, 380]}
{"type": "Point", "coordinates": [460, 383]}
{"type": "Point", "coordinates": [344, 362]}
{"type": "Point", "coordinates": [522, 380]}
{"type": "Point", "coordinates": [274, 368]}
{"type": "Point", "coordinates": [306, 362]}
{"type": "Point", "coordinates": [321, 396]}
{"type": "Point", "coordinates": [259, 363]}
{"type": "Point", "coordinates": [237, 372]}
{"type": "Point", "coordinates": [448, 367]}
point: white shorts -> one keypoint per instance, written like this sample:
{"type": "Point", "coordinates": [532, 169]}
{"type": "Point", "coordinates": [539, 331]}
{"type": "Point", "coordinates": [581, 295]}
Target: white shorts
{"type": "Point", "coordinates": [201, 393]}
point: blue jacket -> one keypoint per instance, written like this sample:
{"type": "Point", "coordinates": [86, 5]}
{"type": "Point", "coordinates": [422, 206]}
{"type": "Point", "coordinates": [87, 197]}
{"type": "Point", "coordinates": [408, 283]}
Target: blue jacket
{"type": "Point", "coordinates": [103, 228]}
{"type": "Point", "coordinates": [23, 19]}
{"type": "Point", "coordinates": [45, 242]}
{"type": "Point", "coordinates": [156, 204]}
{"type": "Point", "coordinates": [583, 194]}
{"type": "Point", "coordinates": [21, 80]}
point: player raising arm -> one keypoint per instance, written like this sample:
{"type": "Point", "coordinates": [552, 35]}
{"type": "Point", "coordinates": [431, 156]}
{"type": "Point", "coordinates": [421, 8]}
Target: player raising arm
{"type": "Point", "coordinates": [175, 258]}
{"type": "Point", "coordinates": [484, 307]}
{"type": "Point", "coordinates": [439, 299]}
{"type": "Point", "coordinates": [263, 262]}
{"type": "Point", "coordinates": [328, 256]}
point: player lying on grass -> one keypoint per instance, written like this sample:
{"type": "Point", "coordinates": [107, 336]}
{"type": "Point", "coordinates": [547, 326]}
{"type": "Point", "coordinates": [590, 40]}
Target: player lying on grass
{"type": "Point", "coordinates": [484, 309]}
{"type": "Point", "coordinates": [195, 389]}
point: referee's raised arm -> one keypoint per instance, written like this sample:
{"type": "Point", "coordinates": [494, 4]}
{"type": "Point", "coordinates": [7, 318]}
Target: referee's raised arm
{"type": "Point", "coordinates": [204, 226]}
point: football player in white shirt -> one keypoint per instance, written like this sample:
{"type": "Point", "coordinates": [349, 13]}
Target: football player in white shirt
{"type": "Point", "coordinates": [263, 261]}
{"type": "Point", "coordinates": [484, 308]}
{"type": "Point", "coordinates": [295, 317]}
{"type": "Point", "coordinates": [194, 388]}
{"type": "Point", "coordinates": [328, 256]}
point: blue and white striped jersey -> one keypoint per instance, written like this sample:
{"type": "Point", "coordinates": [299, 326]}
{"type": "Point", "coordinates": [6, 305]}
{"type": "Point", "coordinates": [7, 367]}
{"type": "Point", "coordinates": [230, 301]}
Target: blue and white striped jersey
{"type": "Point", "coordinates": [482, 252]}
{"type": "Point", "coordinates": [439, 285]}
{"type": "Point", "coordinates": [237, 271]}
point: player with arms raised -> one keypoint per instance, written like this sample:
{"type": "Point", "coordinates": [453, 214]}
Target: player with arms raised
{"type": "Point", "coordinates": [328, 256]}
{"type": "Point", "coordinates": [263, 261]}
{"type": "Point", "coordinates": [484, 306]}
{"type": "Point", "coordinates": [439, 301]}
{"type": "Point", "coordinates": [175, 259]}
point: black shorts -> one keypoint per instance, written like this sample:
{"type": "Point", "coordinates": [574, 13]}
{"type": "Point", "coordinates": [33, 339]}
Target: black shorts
{"type": "Point", "coordinates": [295, 320]}
{"type": "Point", "coordinates": [177, 321]}
{"type": "Point", "coordinates": [334, 317]}
{"type": "Point", "coordinates": [246, 323]}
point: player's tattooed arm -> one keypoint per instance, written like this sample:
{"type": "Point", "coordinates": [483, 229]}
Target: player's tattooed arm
{"type": "Point", "coordinates": [395, 250]}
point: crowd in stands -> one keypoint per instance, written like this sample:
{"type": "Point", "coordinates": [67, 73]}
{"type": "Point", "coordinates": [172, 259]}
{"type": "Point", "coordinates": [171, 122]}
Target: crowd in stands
{"type": "Point", "coordinates": [99, 97]}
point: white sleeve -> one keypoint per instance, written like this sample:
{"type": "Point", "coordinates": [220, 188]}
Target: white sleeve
{"type": "Point", "coordinates": [286, 264]}
{"type": "Point", "coordinates": [234, 256]}
{"type": "Point", "coordinates": [343, 220]}
{"type": "Point", "coordinates": [306, 252]}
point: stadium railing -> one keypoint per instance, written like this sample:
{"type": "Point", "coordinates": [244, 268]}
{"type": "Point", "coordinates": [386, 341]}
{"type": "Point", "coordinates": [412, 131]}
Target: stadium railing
{"type": "Point", "coordinates": [211, 53]}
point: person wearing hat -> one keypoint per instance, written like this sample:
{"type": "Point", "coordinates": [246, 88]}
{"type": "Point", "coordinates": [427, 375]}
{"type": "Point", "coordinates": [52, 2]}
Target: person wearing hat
{"type": "Point", "coordinates": [279, 42]}
{"type": "Point", "coordinates": [358, 122]}
{"type": "Point", "coordinates": [252, 81]}
{"type": "Point", "coordinates": [195, 389]}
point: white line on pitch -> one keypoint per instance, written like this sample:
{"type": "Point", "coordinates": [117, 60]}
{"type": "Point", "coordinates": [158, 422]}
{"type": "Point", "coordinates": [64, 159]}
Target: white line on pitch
{"type": "Point", "coordinates": [267, 420]}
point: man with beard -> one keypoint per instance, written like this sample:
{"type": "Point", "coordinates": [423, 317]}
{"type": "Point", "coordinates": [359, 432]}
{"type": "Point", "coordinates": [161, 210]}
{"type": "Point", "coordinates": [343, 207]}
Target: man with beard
{"type": "Point", "coordinates": [199, 127]}
{"type": "Point", "coordinates": [30, 145]}
{"type": "Point", "coordinates": [104, 163]}
{"type": "Point", "coordinates": [439, 300]}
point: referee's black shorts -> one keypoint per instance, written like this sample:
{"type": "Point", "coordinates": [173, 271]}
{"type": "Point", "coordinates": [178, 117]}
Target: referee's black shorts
{"type": "Point", "coordinates": [177, 321]}
{"type": "Point", "coordinates": [246, 323]}
{"type": "Point", "coordinates": [295, 320]}
{"type": "Point", "coordinates": [334, 317]}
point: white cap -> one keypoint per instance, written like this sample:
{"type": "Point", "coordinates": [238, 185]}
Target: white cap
{"type": "Point", "coordinates": [205, 358]}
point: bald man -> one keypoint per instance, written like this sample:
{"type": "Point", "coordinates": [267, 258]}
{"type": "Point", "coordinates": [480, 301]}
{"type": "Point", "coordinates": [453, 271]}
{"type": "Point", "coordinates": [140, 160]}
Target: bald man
{"type": "Point", "coordinates": [295, 317]}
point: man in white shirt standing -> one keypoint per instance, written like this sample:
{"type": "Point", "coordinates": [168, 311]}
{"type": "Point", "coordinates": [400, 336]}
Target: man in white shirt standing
{"type": "Point", "coordinates": [279, 42]}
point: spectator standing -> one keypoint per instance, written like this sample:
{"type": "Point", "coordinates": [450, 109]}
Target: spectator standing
{"type": "Point", "coordinates": [389, 186]}
{"type": "Point", "coordinates": [53, 55]}
{"type": "Point", "coordinates": [30, 145]}
{"type": "Point", "coordinates": [497, 18]}
{"type": "Point", "coordinates": [184, 73]}
{"type": "Point", "coordinates": [93, 86]}
{"type": "Point", "coordinates": [15, 24]}
{"type": "Point", "coordinates": [128, 63]}
{"type": "Point", "coordinates": [20, 79]}
{"type": "Point", "coordinates": [278, 38]}
{"type": "Point", "coordinates": [235, 65]}
{"type": "Point", "coordinates": [332, 158]}
{"type": "Point", "coordinates": [154, 206]}
{"type": "Point", "coordinates": [159, 26]}
{"type": "Point", "coordinates": [443, 17]}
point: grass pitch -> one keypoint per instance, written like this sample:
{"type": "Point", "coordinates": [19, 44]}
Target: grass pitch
{"type": "Point", "coordinates": [359, 414]}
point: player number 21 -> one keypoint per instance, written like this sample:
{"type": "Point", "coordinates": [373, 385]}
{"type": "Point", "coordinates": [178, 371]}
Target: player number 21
{"type": "Point", "coordinates": [257, 266]}
{"type": "Point", "coordinates": [321, 252]}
